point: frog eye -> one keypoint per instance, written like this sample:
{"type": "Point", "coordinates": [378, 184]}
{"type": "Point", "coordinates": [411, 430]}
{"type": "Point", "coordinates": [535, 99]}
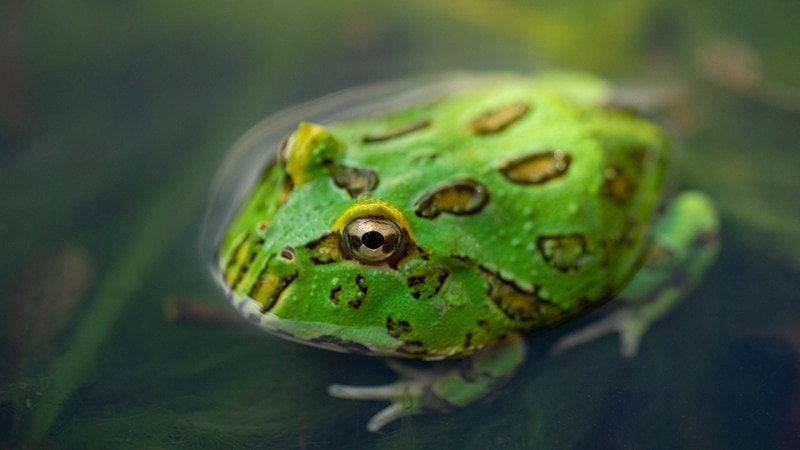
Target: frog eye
{"type": "Point", "coordinates": [373, 240]}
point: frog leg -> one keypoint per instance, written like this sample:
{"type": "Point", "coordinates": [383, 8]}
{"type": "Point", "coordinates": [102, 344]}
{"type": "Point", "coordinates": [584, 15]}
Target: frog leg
{"type": "Point", "coordinates": [685, 242]}
{"type": "Point", "coordinates": [443, 386]}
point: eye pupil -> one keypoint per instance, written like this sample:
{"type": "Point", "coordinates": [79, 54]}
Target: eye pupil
{"type": "Point", "coordinates": [373, 239]}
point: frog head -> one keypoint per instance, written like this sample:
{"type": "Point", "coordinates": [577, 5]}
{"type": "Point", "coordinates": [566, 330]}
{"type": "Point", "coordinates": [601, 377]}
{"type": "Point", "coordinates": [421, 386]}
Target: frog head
{"type": "Point", "coordinates": [316, 256]}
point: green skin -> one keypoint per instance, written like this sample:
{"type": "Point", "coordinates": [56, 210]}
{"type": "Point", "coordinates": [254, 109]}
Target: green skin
{"type": "Point", "coordinates": [451, 229]}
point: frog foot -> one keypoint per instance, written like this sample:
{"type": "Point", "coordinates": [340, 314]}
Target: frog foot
{"type": "Point", "coordinates": [630, 325]}
{"type": "Point", "coordinates": [410, 395]}
{"type": "Point", "coordinates": [442, 386]}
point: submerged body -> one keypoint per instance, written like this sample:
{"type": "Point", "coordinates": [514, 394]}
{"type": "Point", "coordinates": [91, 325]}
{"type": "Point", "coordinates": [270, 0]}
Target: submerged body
{"type": "Point", "coordinates": [451, 227]}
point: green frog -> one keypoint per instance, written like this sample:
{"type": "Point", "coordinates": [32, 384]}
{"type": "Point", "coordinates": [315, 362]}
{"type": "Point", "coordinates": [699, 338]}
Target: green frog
{"type": "Point", "coordinates": [450, 226]}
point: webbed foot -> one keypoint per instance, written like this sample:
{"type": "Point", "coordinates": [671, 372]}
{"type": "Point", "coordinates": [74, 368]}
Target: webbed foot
{"type": "Point", "coordinates": [408, 396]}
{"type": "Point", "coordinates": [440, 387]}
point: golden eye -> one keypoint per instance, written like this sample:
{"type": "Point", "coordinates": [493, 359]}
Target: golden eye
{"type": "Point", "coordinates": [373, 240]}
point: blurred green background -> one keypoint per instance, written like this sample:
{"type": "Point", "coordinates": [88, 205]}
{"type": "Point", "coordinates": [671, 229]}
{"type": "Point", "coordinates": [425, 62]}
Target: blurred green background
{"type": "Point", "coordinates": [115, 116]}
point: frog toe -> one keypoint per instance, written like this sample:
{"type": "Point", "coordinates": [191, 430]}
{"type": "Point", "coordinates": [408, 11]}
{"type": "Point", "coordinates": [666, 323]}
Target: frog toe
{"type": "Point", "coordinates": [625, 321]}
{"type": "Point", "coordinates": [386, 392]}
{"type": "Point", "coordinates": [387, 415]}
{"type": "Point", "coordinates": [406, 398]}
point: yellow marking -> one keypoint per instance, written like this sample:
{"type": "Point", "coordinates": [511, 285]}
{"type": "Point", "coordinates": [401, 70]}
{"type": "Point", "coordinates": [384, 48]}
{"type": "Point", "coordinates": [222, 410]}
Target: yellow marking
{"type": "Point", "coordinates": [308, 151]}
{"type": "Point", "coordinates": [372, 207]}
{"type": "Point", "coordinates": [234, 264]}
{"type": "Point", "coordinates": [268, 287]}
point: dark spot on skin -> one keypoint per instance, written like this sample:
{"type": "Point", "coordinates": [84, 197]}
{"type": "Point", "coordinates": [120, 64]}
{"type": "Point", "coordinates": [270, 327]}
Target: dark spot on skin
{"type": "Point", "coordinates": [262, 226]}
{"type": "Point", "coordinates": [468, 341]}
{"type": "Point", "coordinates": [357, 181]}
{"type": "Point", "coordinates": [524, 308]}
{"type": "Point", "coordinates": [415, 343]}
{"type": "Point", "coordinates": [335, 292]}
{"type": "Point", "coordinates": [536, 168]}
{"type": "Point", "coordinates": [350, 346]}
{"type": "Point", "coordinates": [616, 184]}
{"type": "Point", "coordinates": [564, 252]}
{"type": "Point", "coordinates": [351, 297]}
{"type": "Point", "coordinates": [397, 327]}
{"type": "Point", "coordinates": [529, 310]}
{"type": "Point", "coordinates": [483, 324]}
{"type": "Point", "coordinates": [427, 284]}
{"type": "Point", "coordinates": [460, 196]}
{"type": "Point", "coordinates": [354, 304]}
{"type": "Point", "coordinates": [422, 254]}
{"type": "Point", "coordinates": [396, 132]}
{"type": "Point", "coordinates": [499, 119]}
{"type": "Point", "coordinates": [413, 282]}
{"type": "Point", "coordinates": [463, 258]}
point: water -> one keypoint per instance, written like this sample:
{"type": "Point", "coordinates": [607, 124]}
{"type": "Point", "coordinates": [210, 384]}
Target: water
{"type": "Point", "coordinates": [115, 119]}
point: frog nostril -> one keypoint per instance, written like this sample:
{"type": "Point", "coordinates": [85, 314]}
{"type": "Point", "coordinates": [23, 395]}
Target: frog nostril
{"type": "Point", "coordinates": [287, 253]}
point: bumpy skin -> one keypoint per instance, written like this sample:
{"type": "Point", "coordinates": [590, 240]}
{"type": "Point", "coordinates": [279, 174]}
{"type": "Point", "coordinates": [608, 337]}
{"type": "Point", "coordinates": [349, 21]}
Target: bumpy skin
{"type": "Point", "coordinates": [448, 229]}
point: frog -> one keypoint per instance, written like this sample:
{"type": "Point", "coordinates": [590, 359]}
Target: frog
{"type": "Point", "coordinates": [440, 233]}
